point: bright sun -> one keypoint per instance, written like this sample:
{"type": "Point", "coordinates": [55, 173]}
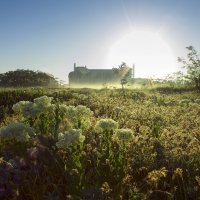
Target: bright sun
{"type": "Point", "coordinates": [150, 54]}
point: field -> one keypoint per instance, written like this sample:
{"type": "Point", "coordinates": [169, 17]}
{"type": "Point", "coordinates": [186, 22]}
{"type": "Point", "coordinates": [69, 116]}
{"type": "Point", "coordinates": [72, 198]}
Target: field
{"type": "Point", "coordinates": [99, 144]}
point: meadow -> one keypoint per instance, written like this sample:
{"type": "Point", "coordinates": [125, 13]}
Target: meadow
{"type": "Point", "coordinates": [99, 144]}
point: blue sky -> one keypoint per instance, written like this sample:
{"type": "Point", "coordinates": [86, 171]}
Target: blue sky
{"type": "Point", "coordinates": [50, 35]}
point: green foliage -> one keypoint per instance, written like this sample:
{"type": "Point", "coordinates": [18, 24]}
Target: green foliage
{"type": "Point", "coordinates": [192, 65]}
{"type": "Point", "coordinates": [16, 132]}
{"type": "Point", "coordinates": [27, 78]}
{"type": "Point", "coordinates": [100, 144]}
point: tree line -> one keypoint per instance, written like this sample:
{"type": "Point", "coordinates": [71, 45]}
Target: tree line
{"type": "Point", "coordinates": [27, 78]}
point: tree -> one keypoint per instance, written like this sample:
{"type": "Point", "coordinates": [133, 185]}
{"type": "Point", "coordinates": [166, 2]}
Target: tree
{"type": "Point", "coordinates": [27, 78]}
{"type": "Point", "coordinates": [177, 79]}
{"type": "Point", "coordinates": [192, 65]}
{"type": "Point", "coordinates": [123, 72]}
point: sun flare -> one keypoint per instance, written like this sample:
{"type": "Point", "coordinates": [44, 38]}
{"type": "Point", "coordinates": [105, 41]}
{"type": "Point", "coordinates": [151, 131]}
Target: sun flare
{"type": "Point", "coordinates": [150, 54]}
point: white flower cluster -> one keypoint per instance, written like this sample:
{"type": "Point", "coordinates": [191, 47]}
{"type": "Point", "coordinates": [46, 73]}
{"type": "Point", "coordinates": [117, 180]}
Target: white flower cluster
{"type": "Point", "coordinates": [24, 107]}
{"type": "Point", "coordinates": [43, 102]}
{"type": "Point", "coordinates": [77, 116]}
{"type": "Point", "coordinates": [106, 125]}
{"type": "Point", "coordinates": [72, 117]}
{"type": "Point", "coordinates": [18, 132]}
{"type": "Point", "coordinates": [71, 137]}
{"type": "Point", "coordinates": [70, 113]}
{"type": "Point", "coordinates": [31, 109]}
{"type": "Point", "coordinates": [123, 135]}
{"type": "Point", "coordinates": [83, 112]}
{"type": "Point", "coordinates": [84, 115]}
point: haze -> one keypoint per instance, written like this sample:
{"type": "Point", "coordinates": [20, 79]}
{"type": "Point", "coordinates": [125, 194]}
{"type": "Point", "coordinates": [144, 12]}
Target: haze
{"type": "Point", "coordinates": [51, 35]}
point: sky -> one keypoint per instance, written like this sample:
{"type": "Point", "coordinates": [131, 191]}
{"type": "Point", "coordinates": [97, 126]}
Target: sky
{"type": "Point", "coordinates": [51, 35]}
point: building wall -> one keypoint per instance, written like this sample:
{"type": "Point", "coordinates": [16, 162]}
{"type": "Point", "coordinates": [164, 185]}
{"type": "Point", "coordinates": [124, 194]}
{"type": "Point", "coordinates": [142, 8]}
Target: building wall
{"type": "Point", "coordinates": [83, 75]}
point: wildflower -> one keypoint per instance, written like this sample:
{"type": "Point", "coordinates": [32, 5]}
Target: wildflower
{"type": "Point", "coordinates": [123, 135]}
{"type": "Point", "coordinates": [84, 115]}
{"type": "Point", "coordinates": [18, 132]}
{"type": "Point", "coordinates": [155, 175]}
{"type": "Point", "coordinates": [32, 109]}
{"type": "Point", "coordinates": [73, 136]}
{"type": "Point", "coordinates": [51, 109]}
{"type": "Point", "coordinates": [64, 108]}
{"type": "Point", "coordinates": [70, 112]}
{"type": "Point", "coordinates": [82, 97]}
{"type": "Point", "coordinates": [106, 125]}
{"type": "Point", "coordinates": [106, 188]}
{"type": "Point", "coordinates": [43, 102]}
{"type": "Point", "coordinates": [83, 112]}
{"type": "Point", "coordinates": [18, 107]}
{"type": "Point", "coordinates": [26, 108]}
{"type": "Point", "coordinates": [77, 117]}
{"type": "Point", "coordinates": [179, 172]}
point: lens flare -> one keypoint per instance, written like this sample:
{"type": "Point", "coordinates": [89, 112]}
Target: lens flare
{"type": "Point", "coordinates": [150, 54]}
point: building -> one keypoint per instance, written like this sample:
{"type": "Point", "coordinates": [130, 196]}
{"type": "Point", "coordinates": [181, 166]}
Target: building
{"type": "Point", "coordinates": [83, 75]}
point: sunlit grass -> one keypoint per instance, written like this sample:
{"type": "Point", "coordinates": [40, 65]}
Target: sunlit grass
{"type": "Point", "coordinates": [136, 143]}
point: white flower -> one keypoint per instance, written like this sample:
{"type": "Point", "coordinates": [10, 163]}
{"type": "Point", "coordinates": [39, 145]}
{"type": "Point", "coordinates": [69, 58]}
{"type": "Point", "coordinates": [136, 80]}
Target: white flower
{"type": "Point", "coordinates": [26, 108]}
{"type": "Point", "coordinates": [106, 125]}
{"type": "Point", "coordinates": [77, 117]}
{"type": "Point", "coordinates": [71, 114]}
{"type": "Point", "coordinates": [43, 102]}
{"type": "Point", "coordinates": [51, 109]}
{"type": "Point", "coordinates": [123, 135]}
{"type": "Point", "coordinates": [71, 137]}
{"type": "Point", "coordinates": [83, 112]}
{"type": "Point", "coordinates": [18, 132]}
{"type": "Point", "coordinates": [18, 107]}
{"type": "Point", "coordinates": [84, 115]}
{"type": "Point", "coordinates": [30, 109]}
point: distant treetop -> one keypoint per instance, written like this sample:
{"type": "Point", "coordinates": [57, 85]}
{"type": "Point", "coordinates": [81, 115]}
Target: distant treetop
{"type": "Point", "coordinates": [27, 78]}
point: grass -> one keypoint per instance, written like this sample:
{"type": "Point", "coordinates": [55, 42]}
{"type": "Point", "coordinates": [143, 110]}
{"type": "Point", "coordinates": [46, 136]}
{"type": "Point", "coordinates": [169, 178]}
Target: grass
{"type": "Point", "coordinates": [160, 161]}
